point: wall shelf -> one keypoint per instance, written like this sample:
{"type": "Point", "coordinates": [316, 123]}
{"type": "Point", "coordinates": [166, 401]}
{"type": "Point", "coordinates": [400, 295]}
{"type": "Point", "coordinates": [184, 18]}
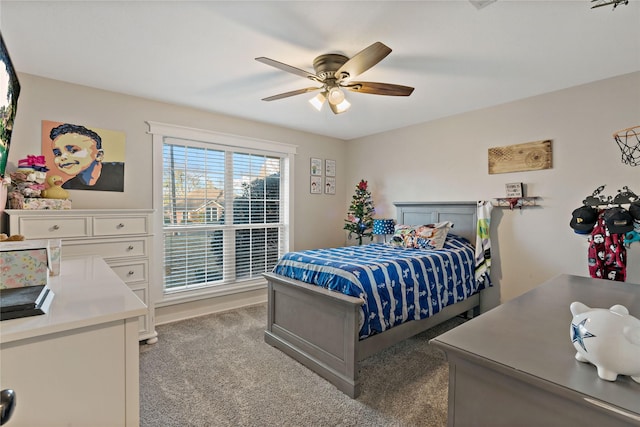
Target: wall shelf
{"type": "Point", "coordinates": [514, 202]}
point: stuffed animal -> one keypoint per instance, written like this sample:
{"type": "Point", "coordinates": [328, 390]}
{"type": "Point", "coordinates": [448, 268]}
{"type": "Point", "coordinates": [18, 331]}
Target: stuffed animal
{"type": "Point", "coordinates": [55, 191]}
{"type": "Point", "coordinates": [12, 238]}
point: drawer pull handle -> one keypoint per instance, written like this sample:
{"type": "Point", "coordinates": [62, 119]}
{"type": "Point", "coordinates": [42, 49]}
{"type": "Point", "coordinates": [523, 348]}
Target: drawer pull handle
{"type": "Point", "coordinates": [55, 227]}
{"type": "Point", "coordinates": [121, 225]}
{"type": "Point", "coordinates": [130, 248]}
{"type": "Point", "coordinates": [131, 273]}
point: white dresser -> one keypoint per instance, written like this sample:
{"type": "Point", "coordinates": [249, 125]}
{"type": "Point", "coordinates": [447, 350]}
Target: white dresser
{"type": "Point", "coordinates": [77, 365]}
{"type": "Point", "coordinates": [123, 237]}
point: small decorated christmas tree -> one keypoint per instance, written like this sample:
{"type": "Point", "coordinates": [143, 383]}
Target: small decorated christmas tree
{"type": "Point", "coordinates": [360, 215]}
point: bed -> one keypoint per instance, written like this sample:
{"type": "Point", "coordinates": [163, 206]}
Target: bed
{"type": "Point", "coordinates": [323, 329]}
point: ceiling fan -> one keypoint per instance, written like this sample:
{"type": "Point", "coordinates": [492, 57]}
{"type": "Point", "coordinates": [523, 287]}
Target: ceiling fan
{"type": "Point", "coordinates": [334, 72]}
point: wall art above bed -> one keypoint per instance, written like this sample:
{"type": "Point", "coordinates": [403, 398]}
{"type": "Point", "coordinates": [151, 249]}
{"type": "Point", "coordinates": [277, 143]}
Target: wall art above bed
{"type": "Point", "coordinates": [529, 156]}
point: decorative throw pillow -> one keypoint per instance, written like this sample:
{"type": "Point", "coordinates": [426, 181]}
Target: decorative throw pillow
{"type": "Point", "coordinates": [430, 236]}
{"type": "Point", "coordinates": [403, 236]}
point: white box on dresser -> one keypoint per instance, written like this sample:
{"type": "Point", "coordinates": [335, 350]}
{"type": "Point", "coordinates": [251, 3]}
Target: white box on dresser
{"type": "Point", "coordinates": [123, 237]}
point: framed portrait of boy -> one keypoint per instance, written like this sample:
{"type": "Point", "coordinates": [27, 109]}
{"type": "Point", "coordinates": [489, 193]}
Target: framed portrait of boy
{"type": "Point", "coordinates": [85, 158]}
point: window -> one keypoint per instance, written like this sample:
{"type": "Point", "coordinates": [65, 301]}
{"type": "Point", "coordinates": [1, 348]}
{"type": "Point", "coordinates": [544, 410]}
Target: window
{"type": "Point", "coordinates": [224, 207]}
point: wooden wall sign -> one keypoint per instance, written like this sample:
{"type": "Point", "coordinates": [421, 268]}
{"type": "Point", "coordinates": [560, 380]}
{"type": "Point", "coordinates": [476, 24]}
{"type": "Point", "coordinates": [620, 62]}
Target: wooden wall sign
{"type": "Point", "coordinates": [529, 156]}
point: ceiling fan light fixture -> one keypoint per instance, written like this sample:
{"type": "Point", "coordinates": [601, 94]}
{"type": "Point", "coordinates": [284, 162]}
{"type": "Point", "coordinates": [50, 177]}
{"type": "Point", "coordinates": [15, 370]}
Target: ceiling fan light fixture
{"type": "Point", "coordinates": [336, 96]}
{"type": "Point", "coordinates": [343, 106]}
{"type": "Point", "coordinates": [334, 72]}
{"type": "Point", "coordinates": [318, 101]}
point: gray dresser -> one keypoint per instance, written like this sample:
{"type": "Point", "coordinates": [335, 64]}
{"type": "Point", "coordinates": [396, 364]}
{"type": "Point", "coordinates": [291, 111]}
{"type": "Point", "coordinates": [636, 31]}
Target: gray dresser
{"type": "Point", "coordinates": [515, 366]}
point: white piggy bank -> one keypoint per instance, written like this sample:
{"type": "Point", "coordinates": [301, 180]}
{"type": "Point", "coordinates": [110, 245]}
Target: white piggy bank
{"type": "Point", "coordinates": [607, 338]}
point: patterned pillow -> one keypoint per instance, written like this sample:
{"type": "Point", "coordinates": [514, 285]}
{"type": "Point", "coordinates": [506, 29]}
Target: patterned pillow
{"type": "Point", "coordinates": [430, 236]}
{"type": "Point", "coordinates": [403, 236]}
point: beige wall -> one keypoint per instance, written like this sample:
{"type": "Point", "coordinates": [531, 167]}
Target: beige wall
{"type": "Point", "coordinates": [443, 160]}
{"type": "Point", "coordinates": [446, 160]}
{"type": "Point", "coordinates": [318, 219]}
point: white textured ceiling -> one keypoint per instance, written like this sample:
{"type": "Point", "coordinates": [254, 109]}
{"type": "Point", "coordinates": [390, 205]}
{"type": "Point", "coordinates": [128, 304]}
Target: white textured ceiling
{"type": "Point", "coordinates": [201, 54]}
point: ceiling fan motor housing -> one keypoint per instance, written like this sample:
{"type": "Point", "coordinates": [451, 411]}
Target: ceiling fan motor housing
{"type": "Point", "coordinates": [326, 65]}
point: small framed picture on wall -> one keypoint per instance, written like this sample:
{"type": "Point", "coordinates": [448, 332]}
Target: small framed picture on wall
{"type": "Point", "coordinates": [330, 185]}
{"type": "Point", "coordinates": [316, 167]}
{"type": "Point", "coordinates": [316, 185]}
{"type": "Point", "coordinates": [330, 167]}
{"type": "Point", "coordinates": [514, 189]}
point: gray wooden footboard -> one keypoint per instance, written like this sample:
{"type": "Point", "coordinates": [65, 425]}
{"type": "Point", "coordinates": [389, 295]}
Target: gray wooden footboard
{"type": "Point", "coordinates": [319, 328]}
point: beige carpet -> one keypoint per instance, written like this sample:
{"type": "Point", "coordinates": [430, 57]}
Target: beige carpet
{"type": "Point", "coordinates": [216, 370]}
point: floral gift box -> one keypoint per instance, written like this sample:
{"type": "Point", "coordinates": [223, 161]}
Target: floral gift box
{"type": "Point", "coordinates": [24, 263]}
{"type": "Point", "coordinates": [31, 203]}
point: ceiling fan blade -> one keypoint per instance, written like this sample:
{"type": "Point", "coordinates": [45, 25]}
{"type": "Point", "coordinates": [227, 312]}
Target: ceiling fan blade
{"type": "Point", "coordinates": [379, 88]}
{"type": "Point", "coordinates": [363, 60]}
{"type": "Point", "coordinates": [292, 93]}
{"type": "Point", "coordinates": [289, 69]}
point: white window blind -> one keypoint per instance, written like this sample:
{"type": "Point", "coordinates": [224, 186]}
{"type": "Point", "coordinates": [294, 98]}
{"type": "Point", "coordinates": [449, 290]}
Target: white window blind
{"type": "Point", "coordinates": [224, 213]}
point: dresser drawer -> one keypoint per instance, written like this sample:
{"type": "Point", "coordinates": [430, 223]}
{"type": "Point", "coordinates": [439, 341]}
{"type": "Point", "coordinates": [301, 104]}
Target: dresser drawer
{"type": "Point", "coordinates": [107, 249]}
{"type": "Point", "coordinates": [53, 228]}
{"type": "Point", "coordinates": [118, 226]}
{"type": "Point", "coordinates": [133, 272]}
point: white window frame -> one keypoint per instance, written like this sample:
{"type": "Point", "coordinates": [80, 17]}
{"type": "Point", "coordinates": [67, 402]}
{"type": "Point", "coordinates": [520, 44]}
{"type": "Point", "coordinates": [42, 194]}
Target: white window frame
{"type": "Point", "coordinates": [159, 132]}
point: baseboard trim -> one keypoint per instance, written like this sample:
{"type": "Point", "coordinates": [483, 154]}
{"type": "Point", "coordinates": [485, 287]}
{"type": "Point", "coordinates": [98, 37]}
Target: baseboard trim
{"type": "Point", "coordinates": [202, 307]}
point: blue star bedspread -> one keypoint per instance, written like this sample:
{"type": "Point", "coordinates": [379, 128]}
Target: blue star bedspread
{"type": "Point", "coordinates": [397, 284]}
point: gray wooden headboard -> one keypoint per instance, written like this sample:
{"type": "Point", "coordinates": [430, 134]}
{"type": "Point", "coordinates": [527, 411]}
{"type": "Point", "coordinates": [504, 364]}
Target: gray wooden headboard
{"type": "Point", "coordinates": [463, 215]}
